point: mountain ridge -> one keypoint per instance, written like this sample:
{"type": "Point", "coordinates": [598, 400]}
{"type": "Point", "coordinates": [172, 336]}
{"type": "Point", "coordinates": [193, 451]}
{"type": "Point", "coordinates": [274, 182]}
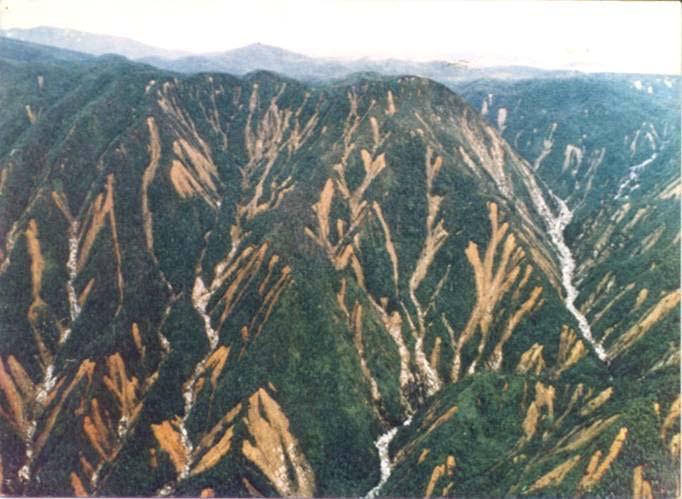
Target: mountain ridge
{"type": "Point", "coordinates": [208, 278]}
{"type": "Point", "coordinates": [263, 56]}
{"type": "Point", "coordinates": [92, 43]}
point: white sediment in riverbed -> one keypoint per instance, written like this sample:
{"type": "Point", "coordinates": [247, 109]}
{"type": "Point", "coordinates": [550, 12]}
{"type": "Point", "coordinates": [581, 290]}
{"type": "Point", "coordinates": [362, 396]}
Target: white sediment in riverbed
{"type": "Point", "coordinates": [385, 465]}
{"type": "Point", "coordinates": [556, 224]}
{"type": "Point", "coordinates": [72, 269]}
{"type": "Point", "coordinates": [631, 182]}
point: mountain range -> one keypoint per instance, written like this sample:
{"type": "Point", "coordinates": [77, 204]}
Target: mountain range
{"type": "Point", "coordinates": [89, 43]}
{"type": "Point", "coordinates": [247, 285]}
{"type": "Point", "coordinates": [258, 56]}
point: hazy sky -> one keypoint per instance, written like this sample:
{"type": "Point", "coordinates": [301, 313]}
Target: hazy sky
{"type": "Point", "coordinates": [589, 36]}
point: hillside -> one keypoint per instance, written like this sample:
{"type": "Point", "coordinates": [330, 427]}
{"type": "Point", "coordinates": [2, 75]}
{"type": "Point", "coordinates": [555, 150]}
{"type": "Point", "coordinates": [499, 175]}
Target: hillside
{"type": "Point", "coordinates": [610, 147]}
{"type": "Point", "coordinates": [215, 284]}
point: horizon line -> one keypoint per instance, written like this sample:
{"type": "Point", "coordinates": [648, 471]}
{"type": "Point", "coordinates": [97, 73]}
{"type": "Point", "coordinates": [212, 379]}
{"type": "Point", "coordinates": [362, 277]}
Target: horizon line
{"type": "Point", "coordinates": [185, 53]}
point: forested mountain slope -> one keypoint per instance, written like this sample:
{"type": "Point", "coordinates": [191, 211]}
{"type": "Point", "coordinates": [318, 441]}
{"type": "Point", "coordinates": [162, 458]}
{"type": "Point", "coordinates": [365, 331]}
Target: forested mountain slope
{"type": "Point", "coordinates": [237, 285]}
{"type": "Point", "coordinates": [610, 147]}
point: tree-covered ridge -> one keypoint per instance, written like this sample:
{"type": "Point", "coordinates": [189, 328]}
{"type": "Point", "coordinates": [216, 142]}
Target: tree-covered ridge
{"type": "Point", "coordinates": [227, 285]}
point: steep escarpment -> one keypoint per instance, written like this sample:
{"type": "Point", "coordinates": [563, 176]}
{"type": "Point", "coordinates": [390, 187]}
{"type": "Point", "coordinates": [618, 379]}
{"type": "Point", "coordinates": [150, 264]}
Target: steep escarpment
{"type": "Point", "coordinates": [236, 286]}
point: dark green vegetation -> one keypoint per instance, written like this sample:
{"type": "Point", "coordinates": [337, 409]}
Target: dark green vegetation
{"type": "Point", "coordinates": [238, 284]}
{"type": "Point", "coordinates": [585, 136]}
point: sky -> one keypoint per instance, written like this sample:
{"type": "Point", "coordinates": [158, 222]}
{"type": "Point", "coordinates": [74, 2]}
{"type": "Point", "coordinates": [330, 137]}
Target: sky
{"type": "Point", "coordinates": [617, 36]}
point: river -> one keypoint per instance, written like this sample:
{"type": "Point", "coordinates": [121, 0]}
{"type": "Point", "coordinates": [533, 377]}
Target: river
{"type": "Point", "coordinates": [556, 225]}
{"type": "Point", "coordinates": [385, 465]}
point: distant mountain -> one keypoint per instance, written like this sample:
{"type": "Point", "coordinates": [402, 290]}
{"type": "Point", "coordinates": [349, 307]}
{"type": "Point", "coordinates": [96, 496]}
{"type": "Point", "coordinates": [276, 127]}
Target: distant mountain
{"type": "Point", "coordinates": [19, 51]}
{"type": "Point", "coordinates": [255, 57]}
{"type": "Point", "coordinates": [258, 56]}
{"type": "Point", "coordinates": [88, 43]}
